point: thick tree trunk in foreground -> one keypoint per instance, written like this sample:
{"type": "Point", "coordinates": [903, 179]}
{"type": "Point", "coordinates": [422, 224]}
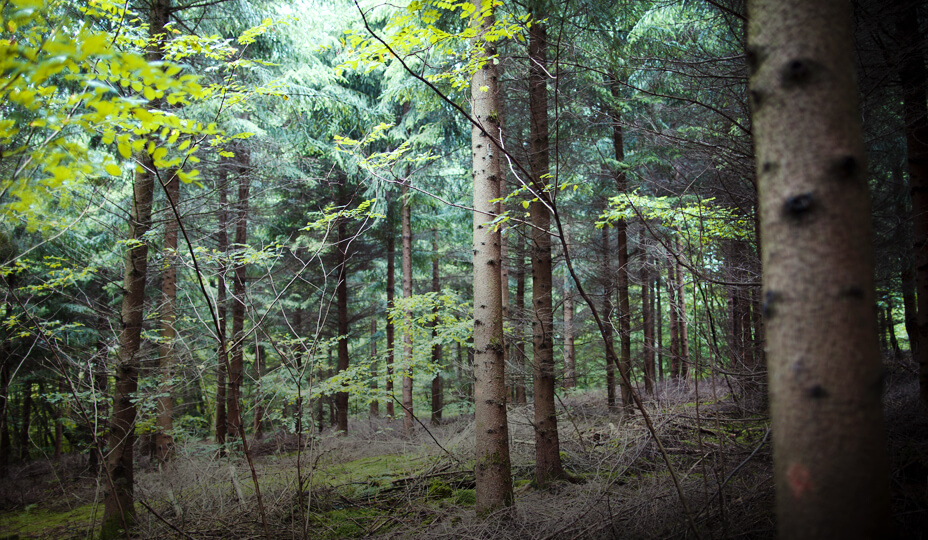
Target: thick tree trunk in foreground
{"type": "Point", "coordinates": [408, 422]}
{"type": "Point", "coordinates": [914, 84]}
{"type": "Point", "coordinates": [621, 234]}
{"type": "Point", "coordinates": [830, 466]}
{"type": "Point", "coordinates": [164, 441]}
{"type": "Point", "coordinates": [494, 479]}
{"type": "Point", "coordinates": [119, 510]}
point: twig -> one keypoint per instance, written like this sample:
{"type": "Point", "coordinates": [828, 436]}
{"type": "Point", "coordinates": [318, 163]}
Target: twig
{"type": "Point", "coordinates": [163, 520]}
{"type": "Point", "coordinates": [733, 472]}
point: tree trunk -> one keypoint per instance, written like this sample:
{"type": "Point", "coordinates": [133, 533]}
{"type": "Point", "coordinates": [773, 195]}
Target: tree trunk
{"type": "Point", "coordinates": [518, 364]}
{"type": "Point", "coordinates": [570, 360]}
{"type": "Point", "coordinates": [492, 469]}
{"type": "Point", "coordinates": [683, 340]}
{"type": "Point", "coordinates": [119, 510]}
{"type": "Point", "coordinates": [607, 319]}
{"type": "Point", "coordinates": [547, 445]}
{"type": "Point", "coordinates": [258, 424]}
{"type": "Point", "coordinates": [674, 320]}
{"type": "Point", "coordinates": [647, 323]}
{"type": "Point", "coordinates": [164, 440]}
{"type": "Point", "coordinates": [222, 367]}
{"type": "Point", "coordinates": [621, 234]}
{"type": "Point", "coordinates": [341, 293]}
{"type": "Point", "coordinates": [408, 424]}
{"type": "Point", "coordinates": [237, 365]}
{"type": "Point", "coordinates": [659, 322]}
{"type": "Point", "coordinates": [5, 362]}
{"type": "Point", "coordinates": [829, 450]}
{"type": "Point", "coordinates": [391, 286]}
{"type": "Point", "coordinates": [914, 83]}
{"type": "Point", "coordinates": [374, 411]}
{"type": "Point", "coordinates": [437, 398]}
{"type": "Point", "coordinates": [26, 422]}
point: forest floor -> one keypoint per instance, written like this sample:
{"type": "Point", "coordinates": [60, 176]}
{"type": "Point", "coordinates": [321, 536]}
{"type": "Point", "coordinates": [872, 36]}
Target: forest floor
{"type": "Point", "coordinates": [375, 483]}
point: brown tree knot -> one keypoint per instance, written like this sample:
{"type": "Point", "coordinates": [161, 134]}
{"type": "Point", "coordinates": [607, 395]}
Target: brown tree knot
{"type": "Point", "coordinates": [798, 206]}
{"type": "Point", "coordinates": [769, 305]}
{"type": "Point", "coordinates": [754, 56]}
{"type": "Point", "coordinates": [853, 291]}
{"type": "Point", "coordinates": [798, 72]}
{"type": "Point", "coordinates": [818, 392]}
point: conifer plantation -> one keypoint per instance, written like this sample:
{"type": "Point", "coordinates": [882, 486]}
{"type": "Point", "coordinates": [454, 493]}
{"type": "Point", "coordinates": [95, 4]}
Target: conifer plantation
{"type": "Point", "coordinates": [334, 269]}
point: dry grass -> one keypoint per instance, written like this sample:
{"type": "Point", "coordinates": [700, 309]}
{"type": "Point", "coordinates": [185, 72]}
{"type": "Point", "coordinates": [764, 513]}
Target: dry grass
{"type": "Point", "coordinates": [375, 483]}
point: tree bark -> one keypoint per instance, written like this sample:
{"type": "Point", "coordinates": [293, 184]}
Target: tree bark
{"type": "Point", "coordinates": [437, 398]}
{"type": "Point", "coordinates": [548, 465]}
{"type": "Point", "coordinates": [164, 440]}
{"type": "Point", "coordinates": [674, 351]}
{"type": "Point", "coordinates": [570, 360]}
{"type": "Point", "coordinates": [119, 510]}
{"type": "Point", "coordinates": [647, 322]}
{"type": "Point", "coordinates": [341, 300]}
{"type": "Point", "coordinates": [518, 363]}
{"type": "Point", "coordinates": [607, 319]}
{"type": "Point", "coordinates": [492, 467]}
{"type": "Point", "coordinates": [222, 239]}
{"type": "Point", "coordinates": [374, 410]}
{"type": "Point", "coordinates": [391, 287]}
{"type": "Point", "coordinates": [408, 421]}
{"type": "Point", "coordinates": [683, 340]}
{"type": "Point", "coordinates": [237, 364]}
{"type": "Point", "coordinates": [659, 322]}
{"type": "Point", "coordinates": [830, 464]}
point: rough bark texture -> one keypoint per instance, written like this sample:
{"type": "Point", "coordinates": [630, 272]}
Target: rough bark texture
{"type": "Point", "coordinates": [683, 340]}
{"type": "Point", "coordinates": [119, 511]}
{"type": "Point", "coordinates": [674, 351]}
{"type": "Point", "coordinates": [547, 446]}
{"type": "Point", "coordinates": [914, 83]}
{"type": "Point", "coordinates": [237, 363]}
{"type": "Point", "coordinates": [492, 467]}
{"type": "Point", "coordinates": [408, 421]}
{"type": "Point", "coordinates": [164, 441]}
{"type": "Point", "coordinates": [659, 322]}
{"type": "Point", "coordinates": [222, 367]}
{"type": "Point", "coordinates": [621, 234]}
{"type": "Point", "coordinates": [830, 463]}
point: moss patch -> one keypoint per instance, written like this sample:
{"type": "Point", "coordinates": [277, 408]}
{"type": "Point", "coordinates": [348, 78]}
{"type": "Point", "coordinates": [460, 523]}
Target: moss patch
{"type": "Point", "coordinates": [43, 523]}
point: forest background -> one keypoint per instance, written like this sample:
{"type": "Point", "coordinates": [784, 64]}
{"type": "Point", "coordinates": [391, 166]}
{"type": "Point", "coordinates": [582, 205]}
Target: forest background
{"type": "Point", "coordinates": [203, 205]}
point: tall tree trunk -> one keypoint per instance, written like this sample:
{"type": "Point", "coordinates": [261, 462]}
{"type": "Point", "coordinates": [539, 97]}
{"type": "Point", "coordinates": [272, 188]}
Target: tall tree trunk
{"type": "Point", "coordinates": [659, 322]}
{"type": "Point", "coordinates": [391, 286]}
{"type": "Point", "coordinates": [548, 465]}
{"type": "Point", "coordinates": [570, 360]}
{"type": "Point", "coordinates": [374, 411]}
{"type": "Point", "coordinates": [829, 450]}
{"type": "Point", "coordinates": [341, 293]}
{"type": "Point", "coordinates": [164, 440]}
{"type": "Point", "coordinates": [607, 319]}
{"type": "Point", "coordinates": [237, 365]}
{"type": "Point", "coordinates": [518, 364]}
{"type": "Point", "coordinates": [407, 294]}
{"type": "Point", "coordinates": [5, 362]}
{"type": "Point", "coordinates": [119, 509]}
{"type": "Point", "coordinates": [492, 467]}
{"type": "Point", "coordinates": [914, 80]}
{"type": "Point", "coordinates": [621, 234]}
{"type": "Point", "coordinates": [683, 340]}
{"type": "Point", "coordinates": [258, 424]}
{"type": "Point", "coordinates": [59, 418]}
{"type": "Point", "coordinates": [437, 398]}
{"type": "Point", "coordinates": [674, 351]}
{"type": "Point", "coordinates": [24, 441]}
{"type": "Point", "coordinates": [647, 323]}
{"type": "Point", "coordinates": [222, 363]}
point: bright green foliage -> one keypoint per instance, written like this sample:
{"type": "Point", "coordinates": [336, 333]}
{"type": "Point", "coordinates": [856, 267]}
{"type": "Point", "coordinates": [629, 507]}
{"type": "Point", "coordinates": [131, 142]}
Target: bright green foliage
{"type": "Point", "coordinates": [449, 315]}
{"type": "Point", "coordinates": [701, 218]}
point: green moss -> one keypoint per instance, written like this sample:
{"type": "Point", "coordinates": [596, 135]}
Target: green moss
{"type": "Point", "coordinates": [347, 523]}
{"type": "Point", "coordinates": [465, 497]}
{"type": "Point", "coordinates": [439, 490]}
{"type": "Point", "coordinates": [35, 523]}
